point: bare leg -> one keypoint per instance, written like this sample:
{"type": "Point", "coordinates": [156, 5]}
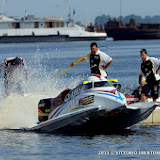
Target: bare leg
{"type": "Point", "coordinates": [143, 97]}
{"type": "Point", "coordinates": [8, 92]}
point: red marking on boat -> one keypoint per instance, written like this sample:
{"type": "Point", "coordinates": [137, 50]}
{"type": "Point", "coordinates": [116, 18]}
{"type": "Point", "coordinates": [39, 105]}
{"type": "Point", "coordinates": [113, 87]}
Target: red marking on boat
{"type": "Point", "coordinates": [96, 75]}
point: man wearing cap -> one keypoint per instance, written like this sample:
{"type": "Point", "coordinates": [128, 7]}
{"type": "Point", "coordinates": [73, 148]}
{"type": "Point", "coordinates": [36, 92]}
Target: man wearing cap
{"type": "Point", "coordinates": [13, 77]}
{"type": "Point", "coordinates": [97, 60]}
{"type": "Point", "coordinates": [151, 72]}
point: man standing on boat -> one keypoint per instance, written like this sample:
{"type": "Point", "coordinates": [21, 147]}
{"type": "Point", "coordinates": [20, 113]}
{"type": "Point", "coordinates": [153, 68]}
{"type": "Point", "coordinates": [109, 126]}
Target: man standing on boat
{"type": "Point", "coordinates": [13, 77]}
{"type": "Point", "coordinates": [151, 73]}
{"type": "Point", "coordinates": [97, 60]}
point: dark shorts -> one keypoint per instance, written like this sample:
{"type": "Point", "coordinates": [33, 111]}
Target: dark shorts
{"type": "Point", "coordinates": [154, 88]}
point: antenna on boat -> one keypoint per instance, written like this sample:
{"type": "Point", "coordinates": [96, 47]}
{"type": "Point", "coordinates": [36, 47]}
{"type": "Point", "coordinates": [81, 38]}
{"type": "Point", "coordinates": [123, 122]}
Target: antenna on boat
{"type": "Point", "coordinates": [26, 14]}
{"type": "Point", "coordinates": [120, 10]}
{"type": "Point", "coordinates": [68, 10]}
{"type": "Point", "coordinates": [3, 3]}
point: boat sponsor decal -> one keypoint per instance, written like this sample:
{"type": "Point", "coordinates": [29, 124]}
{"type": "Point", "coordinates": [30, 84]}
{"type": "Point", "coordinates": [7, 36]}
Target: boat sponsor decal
{"type": "Point", "coordinates": [47, 110]}
{"type": "Point", "coordinates": [41, 105]}
{"type": "Point", "coordinates": [131, 99]}
{"type": "Point", "coordinates": [112, 94]}
{"type": "Point", "coordinates": [86, 100]}
{"type": "Point", "coordinates": [78, 108]}
{"type": "Point", "coordinates": [73, 93]}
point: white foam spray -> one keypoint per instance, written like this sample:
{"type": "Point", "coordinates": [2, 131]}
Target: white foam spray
{"type": "Point", "coordinates": [18, 111]}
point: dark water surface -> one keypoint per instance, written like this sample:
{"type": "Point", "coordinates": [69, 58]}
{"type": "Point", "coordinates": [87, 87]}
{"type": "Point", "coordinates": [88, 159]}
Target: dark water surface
{"type": "Point", "coordinates": [45, 61]}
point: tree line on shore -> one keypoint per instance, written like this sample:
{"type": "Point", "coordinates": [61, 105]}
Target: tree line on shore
{"type": "Point", "coordinates": [101, 20]}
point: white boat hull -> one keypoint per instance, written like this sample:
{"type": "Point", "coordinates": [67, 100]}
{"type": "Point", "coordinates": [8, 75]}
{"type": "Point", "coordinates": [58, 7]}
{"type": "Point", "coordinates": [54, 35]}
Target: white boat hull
{"type": "Point", "coordinates": [97, 109]}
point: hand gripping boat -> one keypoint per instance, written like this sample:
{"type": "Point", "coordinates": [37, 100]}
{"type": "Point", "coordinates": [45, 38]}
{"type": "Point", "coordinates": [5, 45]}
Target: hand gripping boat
{"type": "Point", "coordinates": [94, 105]}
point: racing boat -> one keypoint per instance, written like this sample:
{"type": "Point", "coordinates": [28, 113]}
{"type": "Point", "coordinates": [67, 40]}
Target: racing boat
{"type": "Point", "coordinates": [95, 105]}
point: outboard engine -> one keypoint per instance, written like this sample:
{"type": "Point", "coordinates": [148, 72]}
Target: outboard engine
{"type": "Point", "coordinates": [44, 106]}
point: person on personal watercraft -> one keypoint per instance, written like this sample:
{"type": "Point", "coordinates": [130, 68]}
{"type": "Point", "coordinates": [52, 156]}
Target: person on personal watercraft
{"type": "Point", "coordinates": [97, 60]}
{"type": "Point", "coordinates": [13, 76]}
{"type": "Point", "coordinates": [151, 73]}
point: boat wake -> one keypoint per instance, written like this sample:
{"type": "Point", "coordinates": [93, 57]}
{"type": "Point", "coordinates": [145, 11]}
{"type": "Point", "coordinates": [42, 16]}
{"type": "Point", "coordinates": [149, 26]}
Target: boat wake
{"type": "Point", "coordinates": [18, 112]}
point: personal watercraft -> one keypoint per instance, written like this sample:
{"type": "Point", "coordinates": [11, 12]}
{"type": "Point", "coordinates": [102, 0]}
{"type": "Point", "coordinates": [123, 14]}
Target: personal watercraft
{"type": "Point", "coordinates": [95, 105]}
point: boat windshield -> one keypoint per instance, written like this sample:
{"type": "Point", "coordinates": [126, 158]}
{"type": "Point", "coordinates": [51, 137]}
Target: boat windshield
{"type": "Point", "coordinates": [101, 84]}
{"type": "Point", "coordinates": [88, 85]}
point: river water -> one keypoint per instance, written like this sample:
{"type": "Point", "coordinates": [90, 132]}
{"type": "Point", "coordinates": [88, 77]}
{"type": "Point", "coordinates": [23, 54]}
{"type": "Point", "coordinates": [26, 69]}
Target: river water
{"type": "Point", "coordinates": [45, 61]}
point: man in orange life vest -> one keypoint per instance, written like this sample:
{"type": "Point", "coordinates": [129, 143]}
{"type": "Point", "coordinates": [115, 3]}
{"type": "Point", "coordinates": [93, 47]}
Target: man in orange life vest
{"type": "Point", "coordinates": [97, 60]}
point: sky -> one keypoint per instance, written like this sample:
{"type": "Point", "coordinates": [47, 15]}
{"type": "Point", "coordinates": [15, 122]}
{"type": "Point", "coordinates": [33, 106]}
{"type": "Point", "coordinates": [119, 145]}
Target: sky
{"type": "Point", "coordinates": [86, 10]}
